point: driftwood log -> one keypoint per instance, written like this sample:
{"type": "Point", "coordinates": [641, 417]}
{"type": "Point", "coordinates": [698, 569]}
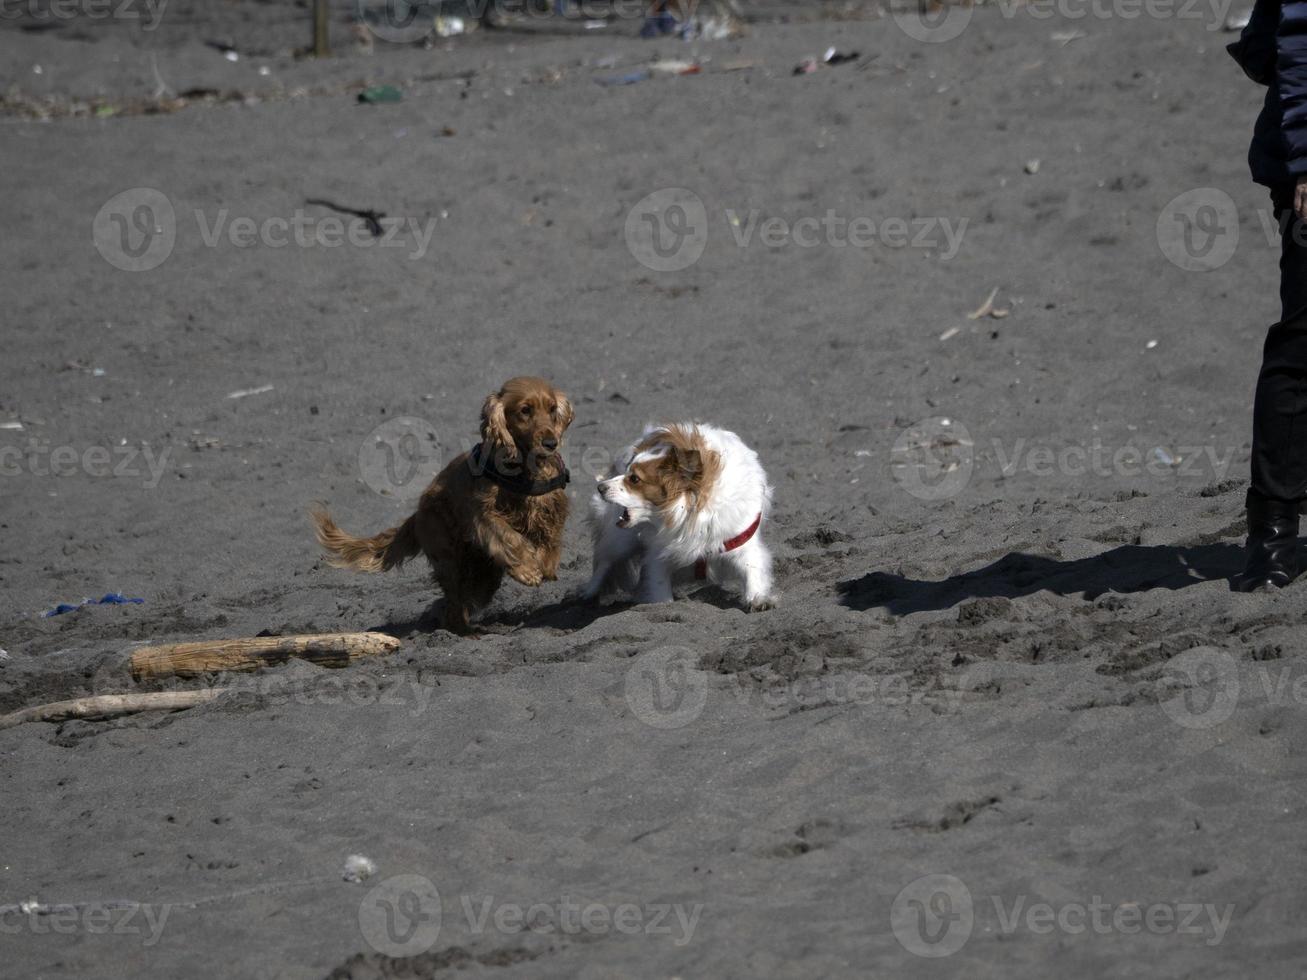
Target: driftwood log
{"type": "Point", "coordinates": [208, 656]}
{"type": "Point", "coordinates": [109, 706]}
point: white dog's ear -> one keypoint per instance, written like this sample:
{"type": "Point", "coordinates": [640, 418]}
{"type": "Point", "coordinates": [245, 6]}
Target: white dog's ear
{"type": "Point", "coordinates": [690, 464]}
{"type": "Point", "coordinates": [494, 427]}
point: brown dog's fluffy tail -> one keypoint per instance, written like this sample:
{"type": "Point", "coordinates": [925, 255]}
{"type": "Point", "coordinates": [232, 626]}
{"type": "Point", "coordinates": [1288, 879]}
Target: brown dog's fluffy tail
{"type": "Point", "coordinates": [379, 553]}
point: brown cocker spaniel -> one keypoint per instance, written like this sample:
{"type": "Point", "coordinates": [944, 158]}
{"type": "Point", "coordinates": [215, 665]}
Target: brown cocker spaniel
{"type": "Point", "coordinates": [499, 508]}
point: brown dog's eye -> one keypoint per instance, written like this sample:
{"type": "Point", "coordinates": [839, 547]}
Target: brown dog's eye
{"type": "Point", "coordinates": [526, 411]}
{"type": "Point", "coordinates": [633, 480]}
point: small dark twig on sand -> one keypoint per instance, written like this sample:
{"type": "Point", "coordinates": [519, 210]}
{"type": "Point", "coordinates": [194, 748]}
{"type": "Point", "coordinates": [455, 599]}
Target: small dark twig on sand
{"type": "Point", "coordinates": [373, 218]}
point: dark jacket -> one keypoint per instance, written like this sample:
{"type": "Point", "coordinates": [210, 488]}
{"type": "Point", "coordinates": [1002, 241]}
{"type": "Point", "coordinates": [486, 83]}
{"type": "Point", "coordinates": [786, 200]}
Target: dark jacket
{"type": "Point", "coordinates": [1272, 50]}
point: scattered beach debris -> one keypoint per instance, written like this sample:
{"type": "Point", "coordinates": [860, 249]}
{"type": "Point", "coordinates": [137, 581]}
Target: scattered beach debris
{"type": "Point", "coordinates": [1164, 457]}
{"type": "Point", "coordinates": [161, 88]}
{"type": "Point", "coordinates": [832, 57]}
{"type": "Point", "coordinates": [1066, 37]}
{"type": "Point", "coordinates": [674, 67]}
{"type": "Point", "coordinates": [1150, 345]}
{"type": "Point", "coordinates": [373, 218]}
{"type": "Point", "coordinates": [1032, 166]}
{"type": "Point", "coordinates": [15, 426]}
{"type": "Point", "coordinates": [450, 26]}
{"type": "Point", "coordinates": [1237, 22]}
{"type": "Point", "coordinates": [246, 392]}
{"type": "Point", "coordinates": [109, 599]}
{"type": "Point", "coordinates": [950, 333]}
{"type": "Point", "coordinates": [358, 868]}
{"type": "Point", "coordinates": [718, 29]}
{"type": "Point", "coordinates": [110, 706]}
{"type": "Point", "coordinates": [4, 654]}
{"type": "Point", "coordinates": [378, 94]}
{"type": "Point", "coordinates": [988, 309]}
{"type": "Point", "coordinates": [629, 78]}
{"type": "Point", "coordinates": [252, 653]}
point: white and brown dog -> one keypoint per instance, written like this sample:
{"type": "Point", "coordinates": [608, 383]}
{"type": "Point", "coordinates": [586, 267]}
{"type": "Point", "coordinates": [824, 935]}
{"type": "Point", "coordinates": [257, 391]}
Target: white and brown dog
{"type": "Point", "coordinates": [684, 495]}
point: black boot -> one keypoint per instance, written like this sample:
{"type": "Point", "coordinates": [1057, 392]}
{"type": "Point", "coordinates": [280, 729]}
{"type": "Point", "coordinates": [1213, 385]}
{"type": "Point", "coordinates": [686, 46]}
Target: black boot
{"type": "Point", "coordinates": [1272, 544]}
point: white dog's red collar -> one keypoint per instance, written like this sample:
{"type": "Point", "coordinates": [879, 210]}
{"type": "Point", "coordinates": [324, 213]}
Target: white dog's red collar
{"type": "Point", "coordinates": [730, 544]}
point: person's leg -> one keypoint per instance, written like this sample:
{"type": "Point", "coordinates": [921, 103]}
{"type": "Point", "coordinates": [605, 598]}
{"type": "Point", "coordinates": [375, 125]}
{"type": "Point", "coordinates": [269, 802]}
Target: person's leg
{"type": "Point", "coordinates": [1279, 457]}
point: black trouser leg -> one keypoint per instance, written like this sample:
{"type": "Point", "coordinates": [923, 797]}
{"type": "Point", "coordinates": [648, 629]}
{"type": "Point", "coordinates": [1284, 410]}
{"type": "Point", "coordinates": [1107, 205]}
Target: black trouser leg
{"type": "Point", "coordinates": [1279, 458]}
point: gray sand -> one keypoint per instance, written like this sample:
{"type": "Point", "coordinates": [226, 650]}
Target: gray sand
{"type": "Point", "coordinates": [1037, 683]}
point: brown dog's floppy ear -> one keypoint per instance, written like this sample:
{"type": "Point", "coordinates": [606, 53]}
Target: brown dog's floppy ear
{"type": "Point", "coordinates": [565, 410]}
{"type": "Point", "coordinates": [494, 427]}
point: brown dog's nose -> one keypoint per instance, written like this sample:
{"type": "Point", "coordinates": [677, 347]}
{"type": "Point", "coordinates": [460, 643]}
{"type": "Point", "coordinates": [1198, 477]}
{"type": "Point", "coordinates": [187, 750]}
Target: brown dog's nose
{"type": "Point", "coordinates": [550, 443]}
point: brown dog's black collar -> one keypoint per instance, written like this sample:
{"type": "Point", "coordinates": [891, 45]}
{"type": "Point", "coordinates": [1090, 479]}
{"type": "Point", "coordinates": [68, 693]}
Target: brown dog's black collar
{"type": "Point", "coordinates": [518, 483]}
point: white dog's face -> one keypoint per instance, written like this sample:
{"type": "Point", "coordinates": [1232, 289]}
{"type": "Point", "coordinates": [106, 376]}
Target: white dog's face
{"type": "Point", "coordinates": [622, 491]}
{"type": "Point", "coordinates": [660, 482]}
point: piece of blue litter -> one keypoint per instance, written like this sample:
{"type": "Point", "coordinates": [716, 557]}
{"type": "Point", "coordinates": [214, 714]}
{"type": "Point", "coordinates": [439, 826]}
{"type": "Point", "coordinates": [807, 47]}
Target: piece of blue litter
{"type": "Point", "coordinates": [110, 599]}
{"type": "Point", "coordinates": [630, 78]}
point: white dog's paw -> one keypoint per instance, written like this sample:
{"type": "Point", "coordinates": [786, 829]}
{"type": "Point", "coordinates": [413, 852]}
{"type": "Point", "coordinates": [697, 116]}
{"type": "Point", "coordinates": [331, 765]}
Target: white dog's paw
{"type": "Point", "coordinates": [653, 598]}
{"type": "Point", "coordinates": [761, 603]}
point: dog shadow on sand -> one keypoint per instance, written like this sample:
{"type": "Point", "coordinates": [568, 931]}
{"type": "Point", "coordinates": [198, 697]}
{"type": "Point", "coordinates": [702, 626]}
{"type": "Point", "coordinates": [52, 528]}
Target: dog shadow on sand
{"type": "Point", "coordinates": [568, 615]}
{"type": "Point", "coordinates": [1130, 568]}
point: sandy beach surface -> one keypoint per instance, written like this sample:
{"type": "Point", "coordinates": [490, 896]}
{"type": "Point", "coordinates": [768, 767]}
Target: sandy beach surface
{"type": "Point", "coordinates": [1008, 720]}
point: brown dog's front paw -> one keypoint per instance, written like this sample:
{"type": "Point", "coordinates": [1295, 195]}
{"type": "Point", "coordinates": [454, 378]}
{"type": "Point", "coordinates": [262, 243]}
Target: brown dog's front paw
{"type": "Point", "coordinates": [528, 575]}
